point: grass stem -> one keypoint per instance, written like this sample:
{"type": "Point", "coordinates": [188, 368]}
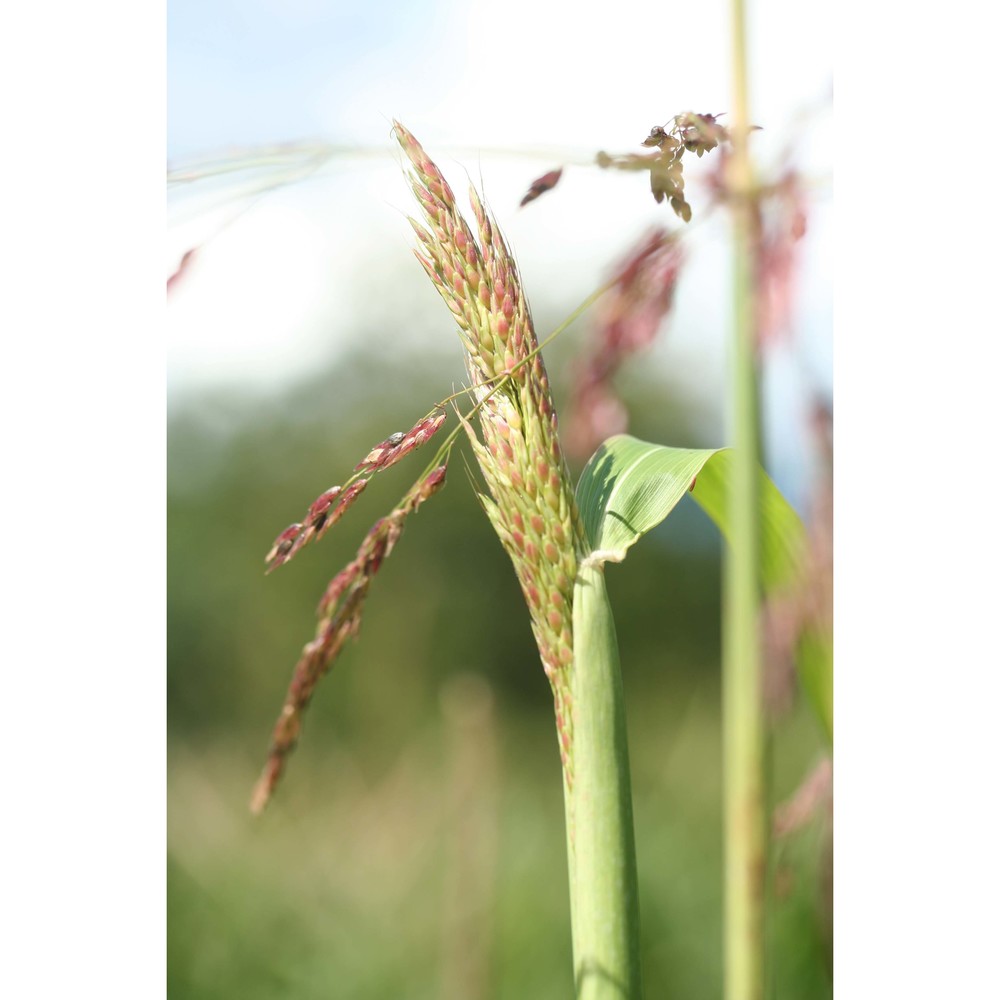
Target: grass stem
{"type": "Point", "coordinates": [743, 720]}
{"type": "Point", "coordinates": [604, 885]}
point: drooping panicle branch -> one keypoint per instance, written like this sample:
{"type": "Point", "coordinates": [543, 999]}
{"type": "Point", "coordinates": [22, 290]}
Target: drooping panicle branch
{"type": "Point", "coordinates": [331, 505]}
{"type": "Point", "coordinates": [340, 618]}
{"type": "Point", "coordinates": [341, 605]}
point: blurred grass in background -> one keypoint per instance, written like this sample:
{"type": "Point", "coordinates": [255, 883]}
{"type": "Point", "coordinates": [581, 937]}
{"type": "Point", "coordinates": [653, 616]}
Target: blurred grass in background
{"type": "Point", "coordinates": [416, 845]}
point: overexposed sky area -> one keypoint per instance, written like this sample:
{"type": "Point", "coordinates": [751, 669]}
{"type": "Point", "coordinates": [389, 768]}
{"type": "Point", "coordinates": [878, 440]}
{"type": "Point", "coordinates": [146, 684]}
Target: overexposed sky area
{"type": "Point", "coordinates": [497, 94]}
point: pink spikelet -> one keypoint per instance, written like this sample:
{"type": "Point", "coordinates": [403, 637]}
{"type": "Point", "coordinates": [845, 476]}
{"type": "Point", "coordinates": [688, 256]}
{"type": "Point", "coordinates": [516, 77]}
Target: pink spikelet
{"type": "Point", "coordinates": [540, 185]}
{"type": "Point", "coordinates": [331, 505]}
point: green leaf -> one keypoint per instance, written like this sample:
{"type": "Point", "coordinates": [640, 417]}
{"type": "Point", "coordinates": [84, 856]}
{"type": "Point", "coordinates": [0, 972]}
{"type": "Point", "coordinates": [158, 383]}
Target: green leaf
{"type": "Point", "coordinates": [782, 535]}
{"type": "Point", "coordinates": [629, 486]}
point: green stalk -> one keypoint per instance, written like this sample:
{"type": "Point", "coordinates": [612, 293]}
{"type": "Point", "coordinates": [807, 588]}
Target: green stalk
{"type": "Point", "coordinates": [743, 720]}
{"type": "Point", "coordinates": [530, 502]}
{"type": "Point", "coordinates": [604, 894]}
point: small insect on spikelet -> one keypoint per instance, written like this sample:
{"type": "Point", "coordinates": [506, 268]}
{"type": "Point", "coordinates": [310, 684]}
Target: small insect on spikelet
{"type": "Point", "coordinates": [530, 503]}
{"type": "Point", "coordinates": [329, 507]}
{"type": "Point", "coordinates": [341, 605]}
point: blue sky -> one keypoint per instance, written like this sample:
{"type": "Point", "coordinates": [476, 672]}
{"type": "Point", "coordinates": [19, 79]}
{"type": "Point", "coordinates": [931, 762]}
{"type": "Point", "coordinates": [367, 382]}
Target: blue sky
{"type": "Point", "coordinates": [527, 71]}
{"type": "Point", "coordinates": [252, 72]}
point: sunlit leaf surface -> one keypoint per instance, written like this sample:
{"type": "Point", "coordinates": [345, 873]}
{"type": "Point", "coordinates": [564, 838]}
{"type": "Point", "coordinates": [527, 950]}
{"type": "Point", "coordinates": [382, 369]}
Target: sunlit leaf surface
{"type": "Point", "coordinates": [629, 486]}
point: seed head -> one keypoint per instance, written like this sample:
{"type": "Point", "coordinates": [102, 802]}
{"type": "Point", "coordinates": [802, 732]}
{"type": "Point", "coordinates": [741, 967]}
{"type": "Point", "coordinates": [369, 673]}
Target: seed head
{"type": "Point", "coordinates": [529, 498]}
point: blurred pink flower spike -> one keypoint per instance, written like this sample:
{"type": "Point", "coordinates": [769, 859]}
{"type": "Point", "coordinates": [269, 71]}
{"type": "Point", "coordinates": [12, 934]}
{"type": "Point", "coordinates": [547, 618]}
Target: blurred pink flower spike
{"type": "Point", "coordinates": [338, 585]}
{"type": "Point", "coordinates": [629, 319]}
{"type": "Point", "coordinates": [782, 226]}
{"type": "Point", "coordinates": [182, 269]}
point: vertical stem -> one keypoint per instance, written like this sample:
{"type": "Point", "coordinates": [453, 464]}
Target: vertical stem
{"type": "Point", "coordinates": [743, 725]}
{"type": "Point", "coordinates": [604, 884]}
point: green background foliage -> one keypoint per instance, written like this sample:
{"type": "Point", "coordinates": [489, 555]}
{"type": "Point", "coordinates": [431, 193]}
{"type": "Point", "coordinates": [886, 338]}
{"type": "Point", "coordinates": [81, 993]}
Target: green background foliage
{"type": "Point", "coordinates": [416, 847]}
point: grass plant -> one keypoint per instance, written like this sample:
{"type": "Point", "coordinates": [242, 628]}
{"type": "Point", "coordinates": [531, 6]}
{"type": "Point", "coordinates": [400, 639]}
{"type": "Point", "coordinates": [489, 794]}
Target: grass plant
{"type": "Point", "coordinates": [560, 540]}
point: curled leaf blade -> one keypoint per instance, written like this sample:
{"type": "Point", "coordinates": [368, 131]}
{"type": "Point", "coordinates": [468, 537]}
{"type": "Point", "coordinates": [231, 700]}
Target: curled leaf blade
{"type": "Point", "coordinates": [630, 486]}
